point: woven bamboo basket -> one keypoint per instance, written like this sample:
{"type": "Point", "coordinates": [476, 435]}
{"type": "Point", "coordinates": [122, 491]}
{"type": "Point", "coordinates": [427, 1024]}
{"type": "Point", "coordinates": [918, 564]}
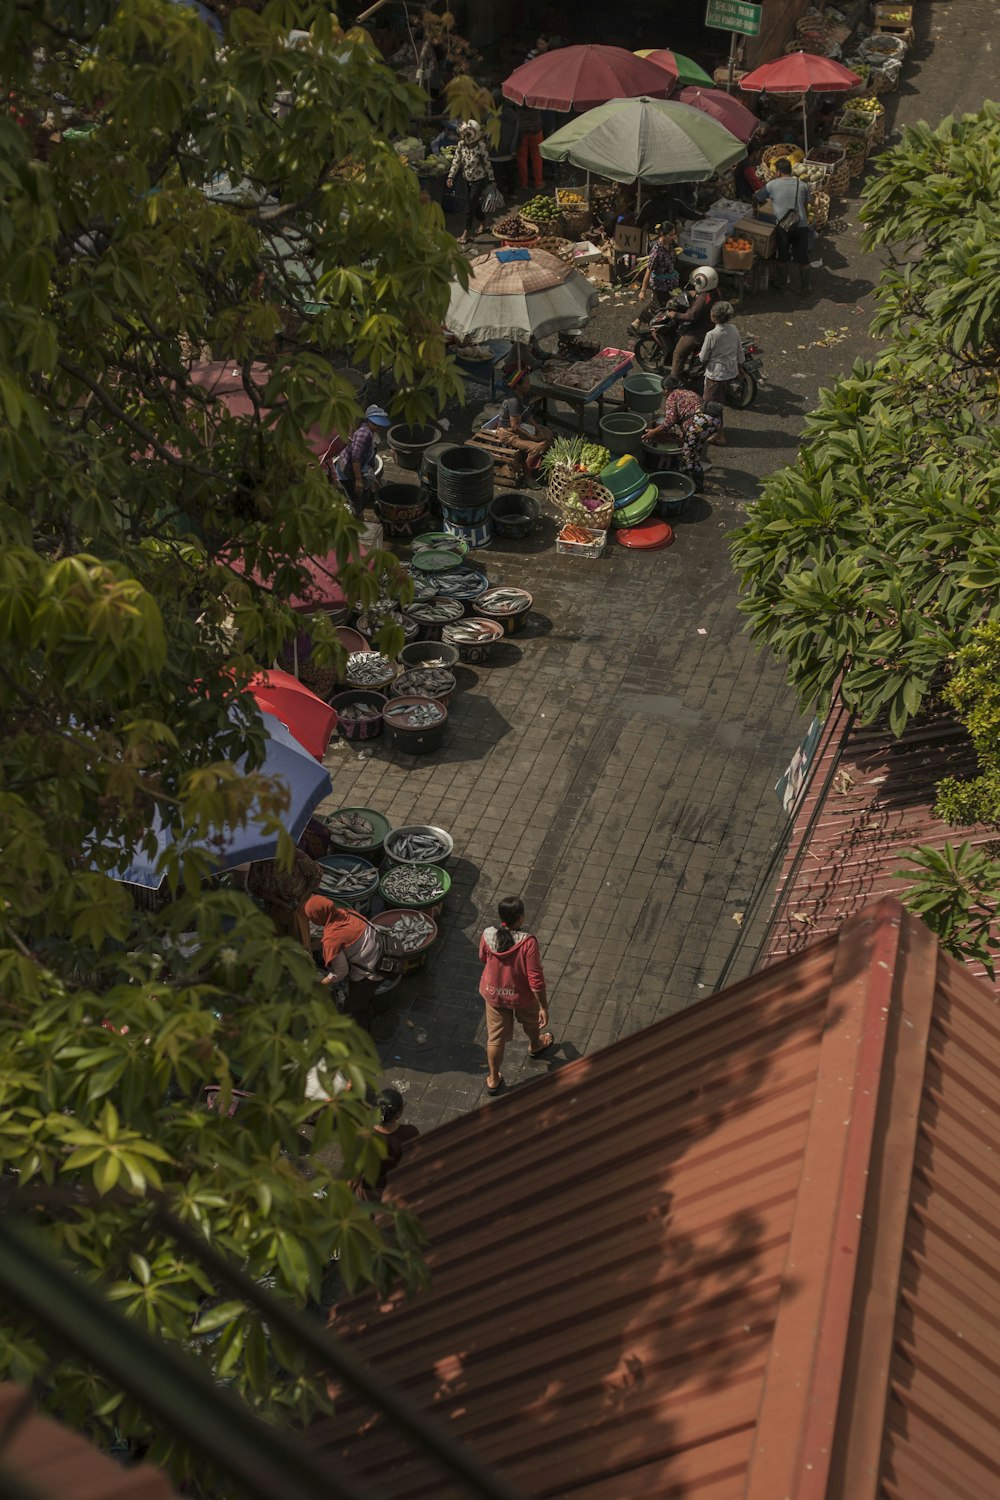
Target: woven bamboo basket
{"type": "Point", "coordinates": [566, 486]}
{"type": "Point", "coordinates": [575, 223]}
{"type": "Point", "coordinates": [835, 158]}
{"type": "Point", "coordinates": [819, 205]}
{"type": "Point", "coordinates": [555, 244]}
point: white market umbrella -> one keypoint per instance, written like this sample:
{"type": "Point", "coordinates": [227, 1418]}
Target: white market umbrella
{"type": "Point", "coordinates": [528, 296]}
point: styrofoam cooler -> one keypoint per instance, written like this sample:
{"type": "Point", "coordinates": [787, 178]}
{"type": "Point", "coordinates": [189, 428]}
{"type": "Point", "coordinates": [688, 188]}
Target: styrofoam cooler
{"type": "Point", "coordinates": [729, 210]}
{"type": "Point", "coordinates": [704, 255]}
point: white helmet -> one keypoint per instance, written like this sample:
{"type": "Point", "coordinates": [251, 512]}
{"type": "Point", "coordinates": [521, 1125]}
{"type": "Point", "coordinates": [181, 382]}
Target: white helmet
{"type": "Point", "coordinates": [705, 279]}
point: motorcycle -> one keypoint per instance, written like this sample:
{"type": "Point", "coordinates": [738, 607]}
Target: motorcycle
{"type": "Point", "coordinates": [651, 354]}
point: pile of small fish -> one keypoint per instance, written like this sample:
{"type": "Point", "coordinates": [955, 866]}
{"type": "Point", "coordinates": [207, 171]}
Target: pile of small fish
{"type": "Point", "coordinates": [432, 661]}
{"type": "Point", "coordinates": [425, 682]}
{"type": "Point", "coordinates": [423, 588]}
{"type": "Point", "coordinates": [355, 711]}
{"type": "Point", "coordinates": [416, 848]}
{"type": "Point", "coordinates": [348, 879]}
{"type": "Point", "coordinates": [470, 632]}
{"type": "Point", "coordinates": [463, 583]}
{"type": "Point", "coordinates": [432, 611]}
{"type": "Point", "coordinates": [351, 829]}
{"type": "Point", "coordinates": [505, 601]}
{"type": "Point", "coordinates": [413, 883]}
{"type": "Point", "coordinates": [410, 932]}
{"type": "Point", "coordinates": [368, 667]}
{"type": "Point", "coordinates": [414, 715]}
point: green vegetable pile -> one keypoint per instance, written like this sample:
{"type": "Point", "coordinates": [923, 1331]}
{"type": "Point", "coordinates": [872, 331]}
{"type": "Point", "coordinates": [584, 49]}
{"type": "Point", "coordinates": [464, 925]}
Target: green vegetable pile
{"type": "Point", "coordinates": [576, 453]}
{"type": "Point", "coordinates": [541, 210]}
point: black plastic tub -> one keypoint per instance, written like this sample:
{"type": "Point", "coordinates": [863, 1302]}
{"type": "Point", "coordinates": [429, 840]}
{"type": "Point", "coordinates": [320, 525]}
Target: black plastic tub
{"type": "Point", "coordinates": [514, 514]}
{"type": "Point", "coordinates": [464, 479]}
{"type": "Point", "coordinates": [429, 465]}
{"type": "Point", "coordinates": [416, 741]}
{"type": "Point", "coordinates": [367, 728]}
{"type": "Point", "coordinates": [675, 491]}
{"type": "Point", "coordinates": [402, 509]}
{"type": "Point", "coordinates": [419, 653]}
{"type": "Point", "coordinates": [409, 442]}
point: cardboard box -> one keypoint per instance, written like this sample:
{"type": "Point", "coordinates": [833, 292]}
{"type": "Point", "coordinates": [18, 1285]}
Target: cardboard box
{"type": "Point", "coordinates": [599, 272]}
{"type": "Point", "coordinates": [630, 239]}
{"type": "Point", "coordinates": [761, 235]}
{"type": "Point", "coordinates": [737, 260]}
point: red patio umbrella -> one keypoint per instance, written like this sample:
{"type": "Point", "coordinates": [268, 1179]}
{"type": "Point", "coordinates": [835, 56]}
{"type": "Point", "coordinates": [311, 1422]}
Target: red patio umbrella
{"type": "Point", "coordinates": [307, 718]}
{"type": "Point", "coordinates": [800, 73]}
{"type": "Point", "coordinates": [583, 77]}
{"type": "Point", "coordinates": [736, 118]}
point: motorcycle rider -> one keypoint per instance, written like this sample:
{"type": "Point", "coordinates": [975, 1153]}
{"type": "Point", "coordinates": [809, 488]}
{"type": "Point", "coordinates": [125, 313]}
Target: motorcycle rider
{"type": "Point", "coordinates": [689, 328]}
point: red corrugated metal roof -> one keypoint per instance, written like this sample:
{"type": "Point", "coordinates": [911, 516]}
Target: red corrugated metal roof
{"type": "Point", "coordinates": [61, 1465]}
{"type": "Point", "coordinates": [869, 797]}
{"type": "Point", "coordinates": [720, 1259]}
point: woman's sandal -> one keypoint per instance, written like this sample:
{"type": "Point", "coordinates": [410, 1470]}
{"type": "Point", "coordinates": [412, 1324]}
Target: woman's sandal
{"type": "Point", "coordinates": [550, 1043]}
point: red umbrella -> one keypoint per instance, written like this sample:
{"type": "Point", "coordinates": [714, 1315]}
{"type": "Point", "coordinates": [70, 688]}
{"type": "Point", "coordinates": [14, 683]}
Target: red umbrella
{"type": "Point", "coordinates": [583, 77]}
{"type": "Point", "coordinates": [729, 112]}
{"type": "Point", "coordinates": [306, 717]}
{"type": "Point", "coordinates": [800, 73]}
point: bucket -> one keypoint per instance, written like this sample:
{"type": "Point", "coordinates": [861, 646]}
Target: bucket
{"type": "Point", "coordinates": [445, 845]}
{"type": "Point", "coordinates": [464, 516]}
{"type": "Point", "coordinates": [465, 479]}
{"type": "Point", "coordinates": [481, 647]}
{"type": "Point", "coordinates": [512, 620]}
{"type": "Point", "coordinates": [431, 621]}
{"type": "Point", "coordinates": [388, 887]}
{"type": "Point", "coordinates": [474, 536]}
{"type": "Point", "coordinates": [409, 442]}
{"type": "Point", "coordinates": [424, 653]}
{"type": "Point", "coordinates": [341, 835]}
{"type": "Point", "coordinates": [675, 491]}
{"type": "Point", "coordinates": [643, 392]}
{"type": "Point", "coordinates": [402, 509]}
{"type": "Point", "coordinates": [514, 514]}
{"type": "Point", "coordinates": [429, 465]}
{"type": "Point", "coordinates": [413, 957]}
{"type": "Point", "coordinates": [659, 457]}
{"type": "Point", "coordinates": [359, 897]}
{"type": "Point", "coordinates": [424, 682]}
{"type": "Point", "coordinates": [621, 432]}
{"type": "Point", "coordinates": [366, 728]}
{"type": "Point", "coordinates": [415, 739]}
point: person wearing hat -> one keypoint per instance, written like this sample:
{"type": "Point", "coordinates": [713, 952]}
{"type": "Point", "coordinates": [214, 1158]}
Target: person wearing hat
{"type": "Point", "coordinates": [356, 463]}
{"type": "Point", "coordinates": [472, 159]}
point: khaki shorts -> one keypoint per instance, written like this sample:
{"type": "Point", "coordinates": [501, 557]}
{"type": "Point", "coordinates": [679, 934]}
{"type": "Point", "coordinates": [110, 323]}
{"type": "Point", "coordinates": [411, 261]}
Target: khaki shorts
{"type": "Point", "coordinates": [500, 1022]}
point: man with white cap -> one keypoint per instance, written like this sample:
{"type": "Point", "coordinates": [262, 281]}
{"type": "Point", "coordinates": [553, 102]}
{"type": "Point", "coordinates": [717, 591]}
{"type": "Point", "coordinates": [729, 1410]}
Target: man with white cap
{"type": "Point", "coordinates": [355, 464]}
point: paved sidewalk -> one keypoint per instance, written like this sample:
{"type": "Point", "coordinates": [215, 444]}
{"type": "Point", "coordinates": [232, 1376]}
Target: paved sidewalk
{"type": "Point", "coordinates": [616, 769]}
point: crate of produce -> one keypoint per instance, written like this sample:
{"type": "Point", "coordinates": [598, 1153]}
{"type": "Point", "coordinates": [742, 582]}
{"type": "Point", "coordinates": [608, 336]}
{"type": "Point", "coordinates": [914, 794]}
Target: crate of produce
{"type": "Point", "coordinates": [581, 541]}
{"type": "Point", "coordinates": [761, 235]}
{"type": "Point", "coordinates": [572, 198]}
{"type": "Point", "coordinates": [834, 159]}
{"type": "Point", "coordinates": [737, 254]}
{"type": "Point", "coordinates": [542, 210]}
{"type": "Point", "coordinates": [890, 17]}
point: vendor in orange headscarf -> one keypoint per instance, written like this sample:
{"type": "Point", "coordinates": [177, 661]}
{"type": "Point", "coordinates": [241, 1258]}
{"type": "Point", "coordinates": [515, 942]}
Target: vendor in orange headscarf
{"type": "Point", "coordinates": [351, 950]}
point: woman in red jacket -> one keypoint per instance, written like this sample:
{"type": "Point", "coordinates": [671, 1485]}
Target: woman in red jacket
{"type": "Point", "coordinates": [512, 985]}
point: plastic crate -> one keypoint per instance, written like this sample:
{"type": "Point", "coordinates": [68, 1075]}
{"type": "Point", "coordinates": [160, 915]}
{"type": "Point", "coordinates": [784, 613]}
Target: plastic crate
{"type": "Point", "coordinates": [583, 549]}
{"type": "Point", "coordinates": [707, 232]}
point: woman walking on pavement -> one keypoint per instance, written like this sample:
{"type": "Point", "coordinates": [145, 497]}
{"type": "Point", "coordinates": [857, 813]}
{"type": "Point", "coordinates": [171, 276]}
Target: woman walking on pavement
{"type": "Point", "coordinates": [472, 159]}
{"type": "Point", "coordinates": [512, 985]}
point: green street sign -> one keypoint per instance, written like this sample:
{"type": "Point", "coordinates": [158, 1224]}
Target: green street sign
{"type": "Point", "coordinates": [734, 15]}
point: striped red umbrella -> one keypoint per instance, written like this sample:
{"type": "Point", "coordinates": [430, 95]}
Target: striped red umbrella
{"type": "Point", "coordinates": [583, 77]}
{"type": "Point", "coordinates": [736, 118]}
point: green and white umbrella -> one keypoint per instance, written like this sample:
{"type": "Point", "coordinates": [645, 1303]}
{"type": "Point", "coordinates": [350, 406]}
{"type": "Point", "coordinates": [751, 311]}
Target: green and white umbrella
{"type": "Point", "coordinates": [653, 140]}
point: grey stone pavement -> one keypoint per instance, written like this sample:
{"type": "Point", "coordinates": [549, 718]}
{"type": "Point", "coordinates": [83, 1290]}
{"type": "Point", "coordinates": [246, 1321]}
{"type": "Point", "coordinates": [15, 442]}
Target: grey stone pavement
{"type": "Point", "coordinates": [615, 767]}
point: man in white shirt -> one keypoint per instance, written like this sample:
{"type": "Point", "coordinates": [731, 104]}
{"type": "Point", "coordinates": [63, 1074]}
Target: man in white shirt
{"type": "Point", "coordinates": [722, 355]}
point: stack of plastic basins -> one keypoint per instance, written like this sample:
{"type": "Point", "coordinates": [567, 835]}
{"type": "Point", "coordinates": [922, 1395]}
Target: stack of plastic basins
{"type": "Point", "coordinates": [465, 489]}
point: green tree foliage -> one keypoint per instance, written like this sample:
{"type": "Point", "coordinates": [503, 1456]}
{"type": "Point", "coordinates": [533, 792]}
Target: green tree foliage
{"type": "Point", "coordinates": [973, 691]}
{"type": "Point", "coordinates": [955, 892]}
{"type": "Point", "coordinates": [155, 208]}
{"type": "Point", "coordinates": [873, 558]}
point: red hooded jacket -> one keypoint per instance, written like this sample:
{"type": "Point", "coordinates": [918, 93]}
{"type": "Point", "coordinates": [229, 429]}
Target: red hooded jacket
{"type": "Point", "coordinates": [509, 978]}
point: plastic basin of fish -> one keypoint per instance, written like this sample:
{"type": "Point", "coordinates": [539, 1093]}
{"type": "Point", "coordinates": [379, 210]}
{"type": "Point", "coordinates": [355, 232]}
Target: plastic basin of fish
{"type": "Point", "coordinates": [439, 541]}
{"type": "Point", "coordinates": [371, 624]}
{"type": "Point", "coordinates": [381, 679]}
{"type": "Point", "coordinates": [352, 640]}
{"type": "Point", "coordinates": [400, 877]}
{"type": "Point", "coordinates": [434, 560]}
{"type": "Point", "coordinates": [445, 845]}
{"type": "Point", "coordinates": [428, 653]}
{"type": "Point", "coordinates": [415, 739]}
{"type": "Point", "coordinates": [421, 610]}
{"type": "Point", "coordinates": [339, 839]}
{"type": "Point", "coordinates": [512, 620]}
{"type": "Point", "coordinates": [425, 682]}
{"type": "Point", "coordinates": [474, 652]}
{"type": "Point", "coordinates": [367, 727]}
{"type": "Point", "coordinates": [413, 957]}
{"type": "Point", "coordinates": [355, 894]}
